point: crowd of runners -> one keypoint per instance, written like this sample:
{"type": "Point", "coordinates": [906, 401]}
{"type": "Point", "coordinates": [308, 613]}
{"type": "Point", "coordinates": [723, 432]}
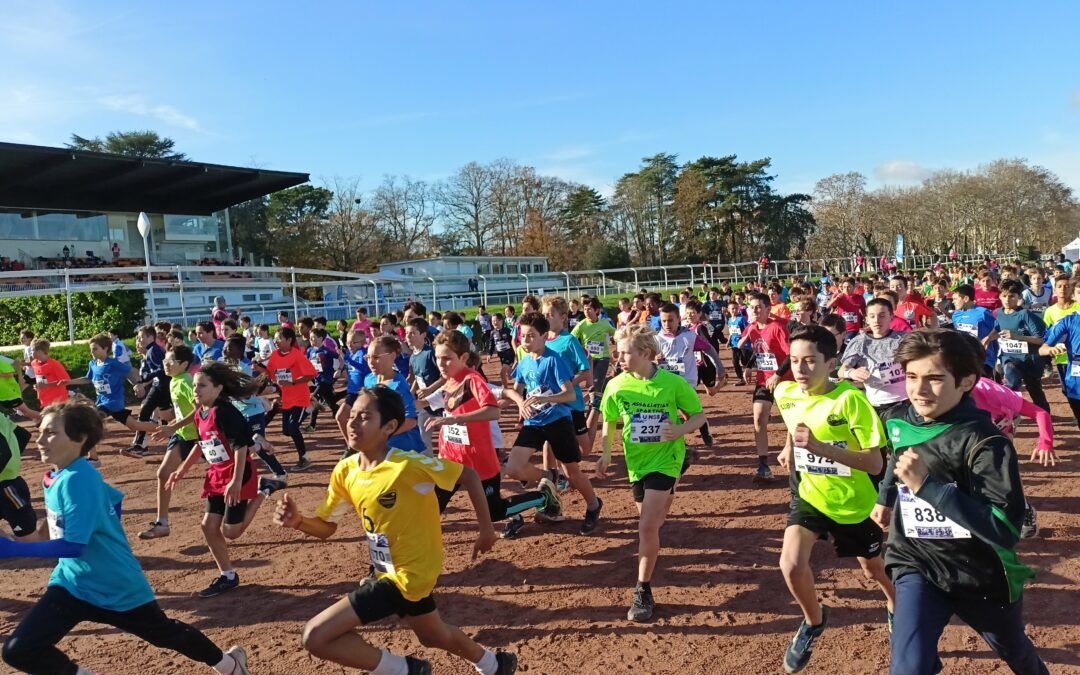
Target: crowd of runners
{"type": "Point", "coordinates": [899, 394]}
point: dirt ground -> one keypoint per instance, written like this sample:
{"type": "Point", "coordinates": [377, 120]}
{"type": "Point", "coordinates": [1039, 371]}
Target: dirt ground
{"type": "Point", "coordinates": [558, 599]}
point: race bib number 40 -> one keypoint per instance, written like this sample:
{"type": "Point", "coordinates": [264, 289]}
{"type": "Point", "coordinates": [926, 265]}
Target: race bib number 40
{"type": "Point", "coordinates": [645, 427]}
{"type": "Point", "coordinates": [923, 521]}
{"type": "Point", "coordinates": [379, 548]}
{"type": "Point", "coordinates": [808, 462]}
{"type": "Point", "coordinates": [213, 451]}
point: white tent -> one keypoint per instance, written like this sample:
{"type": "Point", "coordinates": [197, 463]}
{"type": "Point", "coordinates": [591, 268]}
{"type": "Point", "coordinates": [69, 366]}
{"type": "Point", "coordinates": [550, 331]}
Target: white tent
{"type": "Point", "coordinates": [1072, 250]}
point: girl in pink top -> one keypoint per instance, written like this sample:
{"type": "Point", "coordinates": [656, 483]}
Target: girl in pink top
{"type": "Point", "coordinates": [1004, 405]}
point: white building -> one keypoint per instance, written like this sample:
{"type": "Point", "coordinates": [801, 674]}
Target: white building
{"type": "Point", "coordinates": [467, 266]}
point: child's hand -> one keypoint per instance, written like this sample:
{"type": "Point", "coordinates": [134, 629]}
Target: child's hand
{"type": "Point", "coordinates": [174, 478]}
{"type": "Point", "coordinates": [484, 541]}
{"type": "Point", "coordinates": [286, 514]}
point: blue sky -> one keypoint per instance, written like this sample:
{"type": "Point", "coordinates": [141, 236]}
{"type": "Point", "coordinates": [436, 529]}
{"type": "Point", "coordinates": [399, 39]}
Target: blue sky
{"type": "Point", "coordinates": [582, 90]}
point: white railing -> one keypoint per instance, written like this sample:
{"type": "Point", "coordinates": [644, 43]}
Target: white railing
{"type": "Point", "coordinates": [383, 292]}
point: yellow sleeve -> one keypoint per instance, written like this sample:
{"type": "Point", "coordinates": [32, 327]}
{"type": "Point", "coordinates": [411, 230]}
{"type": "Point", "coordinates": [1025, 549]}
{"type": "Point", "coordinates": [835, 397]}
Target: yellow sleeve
{"type": "Point", "coordinates": [442, 472]}
{"type": "Point", "coordinates": [864, 422]}
{"type": "Point", "coordinates": [338, 501]}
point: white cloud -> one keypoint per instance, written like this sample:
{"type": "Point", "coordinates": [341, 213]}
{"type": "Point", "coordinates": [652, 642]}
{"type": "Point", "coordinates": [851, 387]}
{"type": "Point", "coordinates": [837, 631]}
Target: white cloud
{"type": "Point", "coordinates": [569, 153]}
{"type": "Point", "coordinates": [901, 171]}
{"type": "Point", "coordinates": [134, 104]}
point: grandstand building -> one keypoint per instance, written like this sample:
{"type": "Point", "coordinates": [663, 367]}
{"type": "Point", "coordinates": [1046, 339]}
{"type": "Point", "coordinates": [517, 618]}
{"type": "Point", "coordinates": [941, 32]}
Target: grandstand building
{"type": "Point", "coordinates": [70, 209]}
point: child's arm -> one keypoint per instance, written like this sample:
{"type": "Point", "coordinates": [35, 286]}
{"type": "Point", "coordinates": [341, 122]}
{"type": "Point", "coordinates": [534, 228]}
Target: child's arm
{"type": "Point", "coordinates": [232, 491]}
{"type": "Point", "coordinates": [177, 475]}
{"type": "Point", "coordinates": [288, 515]}
{"type": "Point", "coordinates": [1044, 447]}
{"type": "Point", "coordinates": [487, 537]}
{"type": "Point", "coordinates": [167, 430]}
{"type": "Point", "coordinates": [609, 443]}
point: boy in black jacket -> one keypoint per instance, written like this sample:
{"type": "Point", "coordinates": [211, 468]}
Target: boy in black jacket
{"type": "Point", "coordinates": [956, 484]}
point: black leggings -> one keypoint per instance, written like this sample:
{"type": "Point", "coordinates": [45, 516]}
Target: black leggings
{"type": "Point", "coordinates": [324, 392]}
{"type": "Point", "coordinates": [291, 419]}
{"type": "Point", "coordinates": [498, 507]}
{"type": "Point", "coordinates": [157, 398]}
{"type": "Point", "coordinates": [741, 359]}
{"type": "Point", "coordinates": [32, 647]}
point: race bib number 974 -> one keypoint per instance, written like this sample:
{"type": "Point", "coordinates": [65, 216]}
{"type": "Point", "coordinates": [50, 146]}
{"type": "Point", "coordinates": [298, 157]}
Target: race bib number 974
{"type": "Point", "coordinates": [808, 462]}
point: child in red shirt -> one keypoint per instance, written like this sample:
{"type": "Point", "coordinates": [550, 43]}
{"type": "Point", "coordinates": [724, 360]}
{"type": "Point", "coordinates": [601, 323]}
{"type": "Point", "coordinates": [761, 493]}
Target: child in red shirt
{"type": "Point", "coordinates": [50, 376]}
{"type": "Point", "coordinates": [289, 368]}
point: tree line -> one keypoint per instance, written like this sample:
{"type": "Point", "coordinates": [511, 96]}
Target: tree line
{"type": "Point", "coordinates": [712, 209]}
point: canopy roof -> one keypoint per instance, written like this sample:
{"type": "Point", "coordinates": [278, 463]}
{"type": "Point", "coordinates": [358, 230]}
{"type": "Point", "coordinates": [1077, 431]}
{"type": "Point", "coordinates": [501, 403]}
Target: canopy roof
{"type": "Point", "coordinates": [44, 178]}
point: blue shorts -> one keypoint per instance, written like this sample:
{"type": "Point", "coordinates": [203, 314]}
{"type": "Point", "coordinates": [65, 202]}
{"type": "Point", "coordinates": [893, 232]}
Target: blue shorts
{"type": "Point", "coordinates": [183, 445]}
{"type": "Point", "coordinates": [258, 424]}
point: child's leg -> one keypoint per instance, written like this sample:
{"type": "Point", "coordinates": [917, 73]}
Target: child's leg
{"type": "Point", "coordinates": [215, 539]}
{"type": "Point", "coordinates": [434, 633]}
{"type": "Point", "coordinates": [151, 624]}
{"type": "Point", "coordinates": [31, 648]}
{"type": "Point", "coordinates": [331, 635]}
{"type": "Point", "coordinates": [580, 482]}
{"type": "Point", "coordinates": [237, 518]}
{"type": "Point", "coordinates": [653, 510]}
{"type": "Point", "coordinates": [290, 426]}
{"type": "Point", "coordinates": [795, 565]}
{"type": "Point", "coordinates": [874, 570]}
{"type": "Point", "coordinates": [169, 463]}
{"type": "Point", "coordinates": [342, 418]}
{"type": "Point", "coordinates": [266, 454]}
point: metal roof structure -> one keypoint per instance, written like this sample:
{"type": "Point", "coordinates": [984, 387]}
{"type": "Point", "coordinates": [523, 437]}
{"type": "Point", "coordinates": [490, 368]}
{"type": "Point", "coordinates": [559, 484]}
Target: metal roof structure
{"type": "Point", "coordinates": [45, 178]}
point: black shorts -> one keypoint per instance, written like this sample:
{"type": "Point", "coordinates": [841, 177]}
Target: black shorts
{"type": "Point", "coordinates": [580, 422]}
{"type": "Point", "coordinates": [120, 415]}
{"type": "Point", "coordinates": [15, 507]}
{"type": "Point", "coordinates": [13, 404]}
{"type": "Point", "coordinates": [234, 515]}
{"type": "Point", "coordinates": [158, 397]}
{"type": "Point", "coordinates": [183, 446]}
{"type": "Point", "coordinates": [507, 358]}
{"type": "Point", "coordinates": [859, 539]}
{"type": "Point", "coordinates": [374, 600]}
{"type": "Point", "coordinates": [653, 481]}
{"type": "Point", "coordinates": [560, 434]}
{"type": "Point", "coordinates": [257, 423]}
{"type": "Point", "coordinates": [762, 393]}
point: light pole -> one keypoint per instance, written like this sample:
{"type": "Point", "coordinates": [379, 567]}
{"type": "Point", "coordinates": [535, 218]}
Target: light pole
{"type": "Point", "coordinates": [144, 230]}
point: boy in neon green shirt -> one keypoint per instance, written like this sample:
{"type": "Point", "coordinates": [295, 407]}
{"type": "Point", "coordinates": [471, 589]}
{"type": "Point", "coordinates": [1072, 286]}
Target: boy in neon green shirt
{"type": "Point", "coordinates": [833, 447]}
{"type": "Point", "coordinates": [595, 335]}
{"type": "Point", "coordinates": [1066, 293]}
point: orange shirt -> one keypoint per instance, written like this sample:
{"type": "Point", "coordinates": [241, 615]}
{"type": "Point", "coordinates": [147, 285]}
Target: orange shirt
{"type": "Point", "coordinates": [780, 311]}
{"type": "Point", "coordinates": [47, 373]}
{"type": "Point", "coordinates": [284, 369]}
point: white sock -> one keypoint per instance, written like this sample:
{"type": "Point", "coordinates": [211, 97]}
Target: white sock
{"type": "Point", "coordinates": [229, 574]}
{"type": "Point", "coordinates": [488, 664]}
{"type": "Point", "coordinates": [391, 665]}
{"type": "Point", "coordinates": [163, 521]}
{"type": "Point", "coordinates": [227, 665]}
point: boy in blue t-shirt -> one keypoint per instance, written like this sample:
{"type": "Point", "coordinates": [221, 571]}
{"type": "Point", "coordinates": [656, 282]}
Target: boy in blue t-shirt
{"type": "Point", "coordinates": [97, 578]}
{"type": "Point", "coordinates": [1021, 336]}
{"type": "Point", "coordinates": [736, 326]}
{"type": "Point", "coordinates": [322, 359]}
{"type": "Point", "coordinates": [569, 349]}
{"type": "Point", "coordinates": [543, 390]}
{"type": "Point", "coordinates": [207, 346]}
{"type": "Point", "coordinates": [107, 376]}
{"type": "Point", "coordinates": [1064, 338]}
{"type": "Point", "coordinates": [979, 323]}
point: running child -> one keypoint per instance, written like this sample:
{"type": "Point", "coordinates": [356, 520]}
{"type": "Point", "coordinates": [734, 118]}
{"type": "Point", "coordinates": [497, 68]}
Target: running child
{"type": "Point", "coordinates": [850, 305]}
{"type": "Point", "coordinates": [465, 435]}
{"type": "Point", "coordinates": [382, 355]}
{"type": "Point", "coordinates": [15, 505]}
{"type": "Point", "coordinates": [501, 343]}
{"type": "Point", "coordinates": [742, 358]}
{"type": "Point", "coordinates": [768, 338]}
{"type": "Point", "coordinates": [1063, 339]}
{"type": "Point", "coordinates": [207, 346]}
{"type": "Point", "coordinates": [1021, 335]}
{"type": "Point", "coordinates": [357, 370]}
{"type": "Point", "coordinates": [676, 354]}
{"type": "Point", "coordinates": [869, 358]}
{"type": "Point", "coordinates": [568, 348]}
{"type": "Point", "coordinates": [152, 386]}
{"type": "Point", "coordinates": [231, 486]}
{"type": "Point", "coordinates": [833, 446]}
{"type": "Point", "coordinates": [322, 360]}
{"type": "Point", "coordinates": [255, 414]}
{"type": "Point", "coordinates": [594, 334]}
{"type": "Point", "coordinates": [543, 389]}
{"type": "Point", "coordinates": [425, 375]}
{"type": "Point", "coordinates": [50, 377]}
{"type": "Point", "coordinates": [97, 578]}
{"type": "Point", "coordinates": [648, 401]}
{"type": "Point", "coordinates": [979, 323]}
{"type": "Point", "coordinates": [956, 479]}
{"type": "Point", "coordinates": [290, 370]}
{"type": "Point", "coordinates": [11, 386]}
{"type": "Point", "coordinates": [404, 537]}
{"type": "Point", "coordinates": [107, 375]}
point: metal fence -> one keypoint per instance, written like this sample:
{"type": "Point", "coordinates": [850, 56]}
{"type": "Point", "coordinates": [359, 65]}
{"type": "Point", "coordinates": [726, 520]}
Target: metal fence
{"type": "Point", "coordinates": [343, 292]}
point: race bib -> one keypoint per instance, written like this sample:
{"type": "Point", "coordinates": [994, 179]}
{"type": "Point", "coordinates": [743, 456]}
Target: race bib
{"type": "Point", "coordinates": [645, 427]}
{"type": "Point", "coordinates": [456, 433]}
{"type": "Point", "coordinates": [595, 349]}
{"type": "Point", "coordinates": [316, 363]}
{"type": "Point", "coordinates": [56, 524]}
{"type": "Point", "coordinates": [674, 364]}
{"type": "Point", "coordinates": [379, 548]}
{"type": "Point", "coordinates": [922, 521]}
{"type": "Point", "coordinates": [735, 332]}
{"type": "Point", "coordinates": [767, 361]}
{"type": "Point", "coordinates": [502, 346]}
{"type": "Point", "coordinates": [1013, 346]}
{"type": "Point", "coordinates": [283, 376]}
{"type": "Point", "coordinates": [1074, 369]}
{"type": "Point", "coordinates": [102, 387]}
{"type": "Point", "coordinates": [851, 317]}
{"type": "Point", "coordinates": [808, 462]}
{"type": "Point", "coordinates": [539, 391]}
{"type": "Point", "coordinates": [213, 451]}
{"type": "Point", "coordinates": [968, 328]}
{"type": "Point", "coordinates": [889, 373]}
{"type": "Point", "coordinates": [715, 316]}
{"type": "Point", "coordinates": [41, 379]}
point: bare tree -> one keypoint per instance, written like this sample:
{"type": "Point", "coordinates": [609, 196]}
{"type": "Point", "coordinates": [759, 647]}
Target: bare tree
{"type": "Point", "coordinates": [465, 206]}
{"type": "Point", "coordinates": [404, 211]}
{"type": "Point", "coordinates": [347, 239]}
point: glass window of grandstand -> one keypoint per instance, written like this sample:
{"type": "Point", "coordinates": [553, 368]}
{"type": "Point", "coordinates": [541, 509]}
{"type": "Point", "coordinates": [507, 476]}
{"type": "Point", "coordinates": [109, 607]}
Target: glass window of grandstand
{"type": "Point", "coordinates": [511, 268]}
{"type": "Point", "coordinates": [53, 226]}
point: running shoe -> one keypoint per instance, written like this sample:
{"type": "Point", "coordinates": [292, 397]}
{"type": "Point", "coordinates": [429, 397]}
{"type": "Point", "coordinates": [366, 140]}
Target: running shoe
{"type": "Point", "coordinates": [307, 429]}
{"type": "Point", "coordinates": [1030, 528]}
{"type": "Point", "coordinates": [706, 437]}
{"type": "Point", "coordinates": [135, 452]}
{"type": "Point", "coordinates": [282, 477]}
{"type": "Point", "coordinates": [157, 530]}
{"type": "Point", "coordinates": [513, 526]}
{"type": "Point", "coordinates": [418, 666]}
{"type": "Point", "coordinates": [303, 465]}
{"type": "Point", "coordinates": [889, 620]}
{"type": "Point", "coordinates": [802, 645]}
{"type": "Point", "coordinates": [222, 584]}
{"type": "Point", "coordinates": [507, 663]}
{"type": "Point", "coordinates": [591, 518]}
{"type": "Point", "coordinates": [240, 656]}
{"type": "Point", "coordinates": [763, 474]}
{"type": "Point", "coordinates": [563, 483]}
{"type": "Point", "coordinates": [641, 609]}
{"type": "Point", "coordinates": [268, 486]}
{"type": "Point", "coordinates": [552, 511]}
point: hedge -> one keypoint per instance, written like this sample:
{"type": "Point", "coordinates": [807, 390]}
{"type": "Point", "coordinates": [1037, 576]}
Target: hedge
{"type": "Point", "coordinates": [93, 313]}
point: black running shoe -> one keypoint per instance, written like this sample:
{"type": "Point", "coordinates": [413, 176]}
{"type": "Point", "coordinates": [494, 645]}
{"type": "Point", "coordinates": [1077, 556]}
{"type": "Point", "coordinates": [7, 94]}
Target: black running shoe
{"type": "Point", "coordinates": [222, 584]}
{"type": "Point", "coordinates": [802, 645]}
{"type": "Point", "coordinates": [641, 609]}
{"type": "Point", "coordinates": [591, 518]}
{"type": "Point", "coordinates": [1030, 527]}
{"type": "Point", "coordinates": [268, 486]}
{"type": "Point", "coordinates": [418, 666]}
{"type": "Point", "coordinates": [513, 526]}
{"type": "Point", "coordinates": [507, 663]}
